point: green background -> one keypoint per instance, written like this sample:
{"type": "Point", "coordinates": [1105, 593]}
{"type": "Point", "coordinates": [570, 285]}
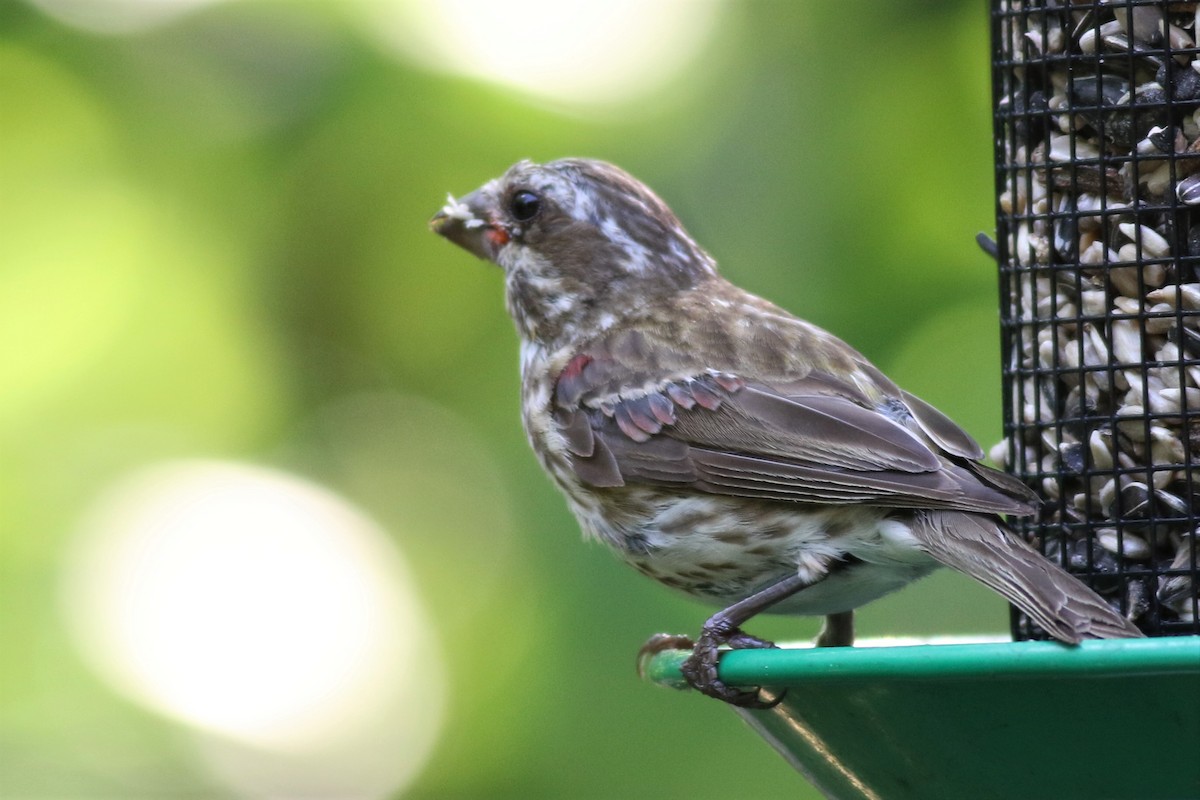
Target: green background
{"type": "Point", "coordinates": [213, 244]}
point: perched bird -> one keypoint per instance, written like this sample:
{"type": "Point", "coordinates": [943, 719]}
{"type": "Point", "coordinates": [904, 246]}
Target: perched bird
{"type": "Point", "coordinates": [721, 445]}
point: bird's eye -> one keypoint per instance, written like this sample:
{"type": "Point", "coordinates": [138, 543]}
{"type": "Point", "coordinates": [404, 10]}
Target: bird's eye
{"type": "Point", "coordinates": [524, 206]}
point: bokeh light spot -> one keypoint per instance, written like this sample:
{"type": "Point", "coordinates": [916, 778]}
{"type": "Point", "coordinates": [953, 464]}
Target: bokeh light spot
{"type": "Point", "coordinates": [575, 53]}
{"type": "Point", "coordinates": [251, 604]}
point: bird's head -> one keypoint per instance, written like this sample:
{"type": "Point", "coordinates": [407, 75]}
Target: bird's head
{"type": "Point", "coordinates": [579, 242]}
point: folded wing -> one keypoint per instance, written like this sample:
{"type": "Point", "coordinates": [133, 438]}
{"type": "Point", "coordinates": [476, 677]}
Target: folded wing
{"type": "Point", "coordinates": [815, 439]}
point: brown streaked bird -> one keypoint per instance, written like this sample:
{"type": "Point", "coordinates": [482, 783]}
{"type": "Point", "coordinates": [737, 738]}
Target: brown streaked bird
{"type": "Point", "coordinates": [724, 447]}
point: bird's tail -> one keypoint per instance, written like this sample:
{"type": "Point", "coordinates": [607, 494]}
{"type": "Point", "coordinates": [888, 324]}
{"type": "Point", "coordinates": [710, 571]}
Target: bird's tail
{"type": "Point", "coordinates": [981, 547]}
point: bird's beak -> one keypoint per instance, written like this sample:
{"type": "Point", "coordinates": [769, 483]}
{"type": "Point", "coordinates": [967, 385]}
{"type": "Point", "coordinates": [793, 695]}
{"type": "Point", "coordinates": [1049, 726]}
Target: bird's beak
{"type": "Point", "coordinates": [466, 223]}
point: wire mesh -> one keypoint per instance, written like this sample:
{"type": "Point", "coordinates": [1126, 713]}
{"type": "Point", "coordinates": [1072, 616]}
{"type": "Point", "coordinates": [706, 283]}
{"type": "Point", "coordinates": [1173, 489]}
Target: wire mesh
{"type": "Point", "coordinates": [1097, 134]}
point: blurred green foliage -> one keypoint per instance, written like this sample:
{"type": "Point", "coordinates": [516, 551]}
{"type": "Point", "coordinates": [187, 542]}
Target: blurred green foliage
{"type": "Point", "coordinates": [213, 243]}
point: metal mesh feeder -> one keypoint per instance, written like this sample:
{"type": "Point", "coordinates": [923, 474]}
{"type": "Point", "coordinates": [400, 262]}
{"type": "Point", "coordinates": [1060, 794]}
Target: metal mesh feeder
{"type": "Point", "coordinates": [1098, 231]}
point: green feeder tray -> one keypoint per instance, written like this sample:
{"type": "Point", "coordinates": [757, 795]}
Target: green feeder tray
{"type": "Point", "coordinates": [1108, 720]}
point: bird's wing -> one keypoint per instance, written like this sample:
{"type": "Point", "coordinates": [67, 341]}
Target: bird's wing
{"type": "Point", "coordinates": [813, 439]}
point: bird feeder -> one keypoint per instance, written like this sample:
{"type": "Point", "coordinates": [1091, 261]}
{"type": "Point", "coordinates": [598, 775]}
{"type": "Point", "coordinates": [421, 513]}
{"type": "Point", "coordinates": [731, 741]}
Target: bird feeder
{"type": "Point", "coordinates": [1098, 228]}
{"type": "Point", "coordinates": [1097, 147]}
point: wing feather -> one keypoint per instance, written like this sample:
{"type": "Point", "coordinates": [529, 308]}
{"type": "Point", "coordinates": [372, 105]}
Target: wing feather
{"type": "Point", "coordinates": [816, 438]}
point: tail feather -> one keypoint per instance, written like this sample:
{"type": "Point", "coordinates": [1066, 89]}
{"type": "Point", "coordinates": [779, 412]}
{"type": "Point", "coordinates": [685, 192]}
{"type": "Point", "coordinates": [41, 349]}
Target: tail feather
{"type": "Point", "coordinates": [979, 546]}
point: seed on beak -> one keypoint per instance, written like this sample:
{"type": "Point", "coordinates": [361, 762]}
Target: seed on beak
{"type": "Point", "coordinates": [464, 223]}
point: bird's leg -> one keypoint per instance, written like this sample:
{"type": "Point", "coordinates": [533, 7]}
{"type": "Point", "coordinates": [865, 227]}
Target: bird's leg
{"type": "Point", "coordinates": [838, 630]}
{"type": "Point", "coordinates": [700, 669]}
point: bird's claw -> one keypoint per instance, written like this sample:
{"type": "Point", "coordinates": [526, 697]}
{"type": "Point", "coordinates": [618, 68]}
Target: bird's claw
{"type": "Point", "coordinates": [700, 668]}
{"type": "Point", "coordinates": [658, 643]}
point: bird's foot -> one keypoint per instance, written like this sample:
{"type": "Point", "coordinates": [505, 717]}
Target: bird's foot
{"type": "Point", "coordinates": [700, 669]}
{"type": "Point", "coordinates": [723, 628]}
{"type": "Point", "coordinates": [739, 640]}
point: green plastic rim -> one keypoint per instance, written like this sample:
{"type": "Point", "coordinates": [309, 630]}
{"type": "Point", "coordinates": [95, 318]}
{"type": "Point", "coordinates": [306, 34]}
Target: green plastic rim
{"type": "Point", "coordinates": [807, 665]}
{"type": "Point", "coordinates": [1115, 719]}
